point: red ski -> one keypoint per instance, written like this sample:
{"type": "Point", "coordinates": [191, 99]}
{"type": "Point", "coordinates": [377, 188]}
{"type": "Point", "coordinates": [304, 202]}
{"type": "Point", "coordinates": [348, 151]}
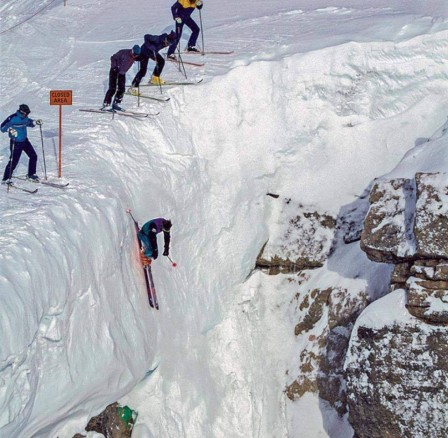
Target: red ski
{"type": "Point", "coordinates": [208, 52]}
{"type": "Point", "coordinates": [150, 289]}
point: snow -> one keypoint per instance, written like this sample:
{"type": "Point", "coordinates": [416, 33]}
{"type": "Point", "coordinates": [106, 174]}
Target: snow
{"type": "Point", "coordinates": [319, 99]}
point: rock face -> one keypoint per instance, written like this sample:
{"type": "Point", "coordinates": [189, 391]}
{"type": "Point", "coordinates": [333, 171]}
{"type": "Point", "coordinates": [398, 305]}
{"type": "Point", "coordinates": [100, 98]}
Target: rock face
{"type": "Point", "coordinates": [397, 385]}
{"type": "Point", "coordinates": [303, 240]}
{"type": "Point", "coordinates": [326, 320]}
{"type": "Point", "coordinates": [387, 235]}
{"type": "Point", "coordinates": [407, 224]}
{"type": "Point", "coordinates": [397, 371]}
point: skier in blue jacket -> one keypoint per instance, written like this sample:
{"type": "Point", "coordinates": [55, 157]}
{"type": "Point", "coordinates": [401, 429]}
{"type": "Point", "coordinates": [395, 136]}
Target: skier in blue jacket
{"type": "Point", "coordinates": [182, 11]}
{"type": "Point", "coordinates": [148, 237]}
{"type": "Point", "coordinates": [150, 50]}
{"type": "Point", "coordinates": [16, 125]}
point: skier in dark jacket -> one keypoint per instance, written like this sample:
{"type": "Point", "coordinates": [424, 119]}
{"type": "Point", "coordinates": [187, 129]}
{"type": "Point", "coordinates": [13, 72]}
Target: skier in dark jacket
{"type": "Point", "coordinates": [182, 11]}
{"type": "Point", "coordinates": [148, 237]}
{"type": "Point", "coordinates": [121, 62]}
{"type": "Point", "coordinates": [150, 50]}
{"type": "Point", "coordinates": [16, 125]}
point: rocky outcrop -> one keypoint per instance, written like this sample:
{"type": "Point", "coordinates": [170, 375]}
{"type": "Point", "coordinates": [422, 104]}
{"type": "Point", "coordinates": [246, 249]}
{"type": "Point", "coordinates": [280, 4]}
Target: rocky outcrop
{"type": "Point", "coordinates": [407, 224]}
{"type": "Point", "coordinates": [327, 318]}
{"type": "Point", "coordinates": [114, 422]}
{"type": "Point", "coordinates": [303, 240]}
{"type": "Point", "coordinates": [396, 368]}
{"type": "Point", "coordinates": [397, 381]}
{"type": "Point", "coordinates": [431, 215]}
{"type": "Point", "coordinates": [387, 235]}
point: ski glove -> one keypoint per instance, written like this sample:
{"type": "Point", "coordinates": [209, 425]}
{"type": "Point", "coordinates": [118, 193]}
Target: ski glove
{"type": "Point", "coordinates": [166, 253]}
{"type": "Point", "coordinates": [39, 122]}
{"type": "Point", "coordinates": [155, 254]}
{"type": "Point", "coordinates": [199, 5]}
{"type": "Point", "coordinates": [12, 132]}
{"type": "Point", "coordinates": [178, 20]}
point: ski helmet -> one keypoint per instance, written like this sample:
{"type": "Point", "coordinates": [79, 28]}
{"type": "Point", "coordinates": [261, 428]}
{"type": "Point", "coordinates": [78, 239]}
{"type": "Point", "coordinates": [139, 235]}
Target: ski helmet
{"type": "Point", "coordinates": [166, 225]}
{"type": "Point", "coordinates": [171, 38]}
{"type": "Point", "coordinates": [136, 50]}
{"type": "Point", "coordinates": [24, 109]}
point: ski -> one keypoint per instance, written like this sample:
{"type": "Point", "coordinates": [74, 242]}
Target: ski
{"type": "Point", "coordinates": [137, 115]}
{"type": "Point", "coordinates": [153, 288]}
{"type": "Point", "coordinates": [210, 52]}
{"type": "Point", "coordinates": [150, 290]}
{"type": "Point", "coordinates": [46, 183]}
{"type": "Point", "coordinates": [158, 99]}
{"type": "Point", "coordinates": [174, 83]}
{"type": "Point", "coordinates": [194, 64]}
{"type": "Point", "coordinates": [23, 189]}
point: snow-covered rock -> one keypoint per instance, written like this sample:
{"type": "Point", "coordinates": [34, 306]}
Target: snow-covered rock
{"type": "Point", "coordinates": [301, 240]}
{"type": "Point", "coordinates": [397, 372]}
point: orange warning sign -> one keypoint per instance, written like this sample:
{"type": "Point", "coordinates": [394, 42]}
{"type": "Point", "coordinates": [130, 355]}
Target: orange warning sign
{"type": "Point", "coordinates": [61, 97]}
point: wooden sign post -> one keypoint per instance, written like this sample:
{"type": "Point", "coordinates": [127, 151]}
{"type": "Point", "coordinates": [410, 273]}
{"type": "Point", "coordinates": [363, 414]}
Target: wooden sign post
{"type": "Point", "coordinates": [60, 97]}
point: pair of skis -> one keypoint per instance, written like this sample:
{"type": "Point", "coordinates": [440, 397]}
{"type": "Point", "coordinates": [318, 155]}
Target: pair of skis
{"type": "Point", "coordinates": [197, 64]}
{"type": "Point", "coordinates": [166, 84]}
{"type": "Point", "coordinates": [12, 185]}
{"type": "Point", "coordinates": [133, 114]}
{"type": "Point", "coordinates": [149, 281]}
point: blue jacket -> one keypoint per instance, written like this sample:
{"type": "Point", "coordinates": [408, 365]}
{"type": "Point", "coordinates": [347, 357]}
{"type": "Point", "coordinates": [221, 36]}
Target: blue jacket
{"type": "Point", "coordinates": [153, 43]}
{"type": "Point", "coordinates": [19, 122]}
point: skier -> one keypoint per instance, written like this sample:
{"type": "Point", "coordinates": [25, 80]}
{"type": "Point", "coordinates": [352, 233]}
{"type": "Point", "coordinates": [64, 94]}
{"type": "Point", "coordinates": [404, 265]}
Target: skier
{"type": "Point", "coordinates": [148, 238]}
{"type": "Point", "coordinates": [16, 125]}
{"type": "Point", "coordinates": [182, 11]}
{"type": "Point", "coordinates": [121, 62]}
{"type": "Point", "coordinates": [150, 50]}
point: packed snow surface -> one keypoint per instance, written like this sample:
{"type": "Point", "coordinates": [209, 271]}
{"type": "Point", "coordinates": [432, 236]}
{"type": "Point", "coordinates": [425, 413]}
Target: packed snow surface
{"type": "Point", "coordinates": [318, 99]}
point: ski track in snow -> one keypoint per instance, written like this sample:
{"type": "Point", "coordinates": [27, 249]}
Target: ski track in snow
{"type": "Point", "coordinates": [308, 92]}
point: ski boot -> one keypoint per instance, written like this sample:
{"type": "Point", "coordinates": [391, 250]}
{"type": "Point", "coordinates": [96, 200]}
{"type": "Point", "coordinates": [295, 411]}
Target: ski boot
{"type": "Point", "coordinates": [156, 80]}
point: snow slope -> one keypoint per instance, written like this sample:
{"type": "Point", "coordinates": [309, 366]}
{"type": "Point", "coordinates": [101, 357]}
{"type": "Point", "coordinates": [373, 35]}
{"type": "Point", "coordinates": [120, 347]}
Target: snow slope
{"type": "Point", "coordinates": [318, 99]}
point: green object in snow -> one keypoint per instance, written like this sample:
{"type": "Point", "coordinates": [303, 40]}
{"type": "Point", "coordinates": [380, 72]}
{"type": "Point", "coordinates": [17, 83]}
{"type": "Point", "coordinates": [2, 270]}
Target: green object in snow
{"type": "Point", "coordinates": [127, 414]}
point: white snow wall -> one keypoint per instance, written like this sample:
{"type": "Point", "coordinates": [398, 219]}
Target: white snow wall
{"type": "Point", "coordinates": [76, 331]}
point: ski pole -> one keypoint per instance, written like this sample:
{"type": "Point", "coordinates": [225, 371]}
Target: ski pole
{"type": "Point", "coordinates": [130, 213]}
{"type": "Point", "coordinates": [181, 63]}
{"type": "Point", "coordinates": [174, 264]}
{"type": "Point", "coordinates": [158, 70]}
{"type": "Point", "coordinates": [39, 122]}
{"type": "Point", "coordinates": [138, 87]}
{"type": "Point", "coordinates": [13, 143]}
{"type": "Point", "coordinates": [202, 33]}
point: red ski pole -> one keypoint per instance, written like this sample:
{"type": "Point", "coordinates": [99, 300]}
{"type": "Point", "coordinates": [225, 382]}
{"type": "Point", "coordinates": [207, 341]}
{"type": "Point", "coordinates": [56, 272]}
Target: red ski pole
{"type": "Point", "coordinates": [174, 264]}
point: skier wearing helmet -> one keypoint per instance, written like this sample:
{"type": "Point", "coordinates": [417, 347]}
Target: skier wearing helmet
{"type": "Point", "coordinates": [150, 50]}
{"type": "Point", "coordinates": [121, 62]}
{"type": "Point", "coordinates": [16, 125]}
{"type": "Point", "coordinates": [148, 238]}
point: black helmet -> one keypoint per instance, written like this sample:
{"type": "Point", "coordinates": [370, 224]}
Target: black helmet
{"type": "Point", "coordinates": [166, 225]}
{"type": "Point", "coordinates": [171, 37]}
{"type": "Point", "coordinates": [24, 109]}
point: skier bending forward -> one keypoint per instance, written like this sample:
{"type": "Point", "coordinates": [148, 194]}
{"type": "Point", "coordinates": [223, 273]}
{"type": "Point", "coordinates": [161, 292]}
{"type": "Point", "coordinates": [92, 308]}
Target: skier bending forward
{"type": "Point", "coordinates": [148, 238]}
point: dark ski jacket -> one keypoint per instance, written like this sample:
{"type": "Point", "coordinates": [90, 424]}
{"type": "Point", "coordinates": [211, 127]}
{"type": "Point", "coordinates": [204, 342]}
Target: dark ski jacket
{"type": "Point", "coordinates": [19, 122]}
{"type": "Point", "coordinates": [148, 237]}
{"type": "Point", "coordinates": [183, 9]}
{"type": "Point", "coordinates": [122, 60]}
{"type": "Point", "coordinates": [154, 43]}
